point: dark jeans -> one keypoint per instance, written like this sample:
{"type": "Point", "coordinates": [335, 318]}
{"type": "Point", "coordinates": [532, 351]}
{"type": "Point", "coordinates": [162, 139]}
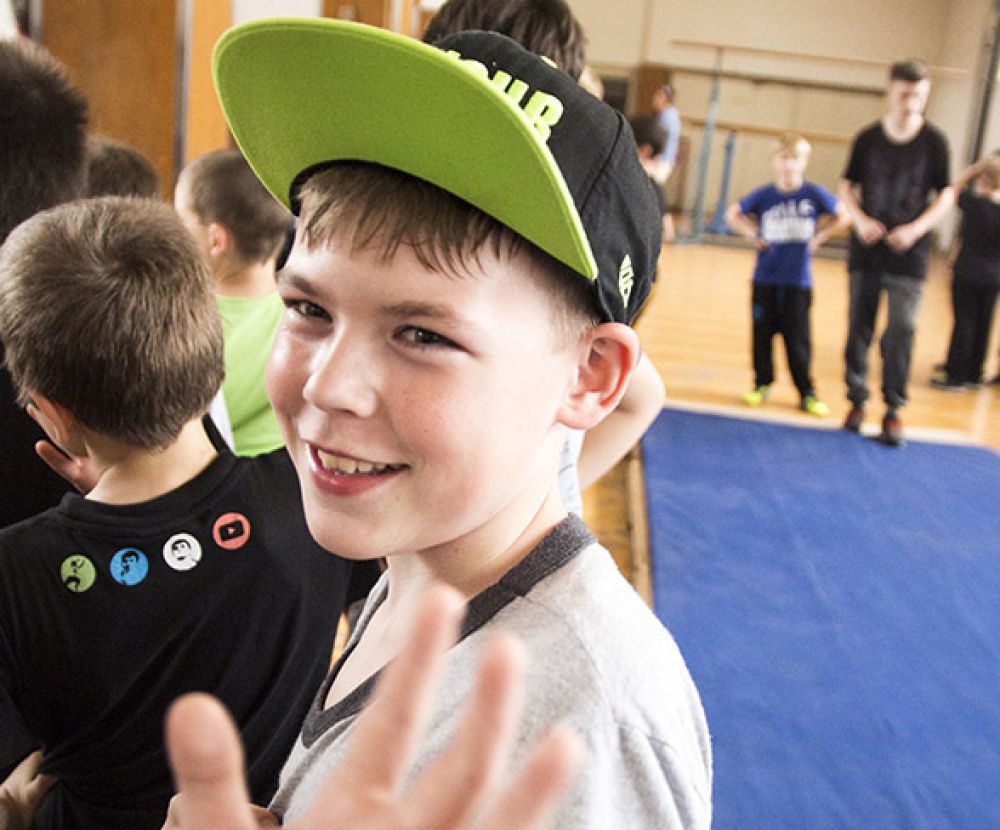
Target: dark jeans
{"type": "Point", "coordinates": [973, 304]}
{"type": "Point", "coordinates": [896, 343]}
{"type": "Point", "coordinates": [784, 310]}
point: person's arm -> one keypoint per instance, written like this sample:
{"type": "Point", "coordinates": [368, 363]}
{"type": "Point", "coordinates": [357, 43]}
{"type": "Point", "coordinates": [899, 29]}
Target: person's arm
{"type": "Point", "coordinates": [964, 179]}
{"type": "Point", "coordinates": [743, 225]}
{"type": "Point", "coordinates": [838, 220]}
{"type": "Point", "coordinates": [366, 790]}
{"type": "Point", "coordinates": [673, 126]}
{"type": "Point", "coordinates": [868, 230]}
{"type": "Point", "coordinates": [607, 443]}
{"type": "Point", "coordinates": [903, 237]}
{"type": "Point", "coordinates": [22, 792]}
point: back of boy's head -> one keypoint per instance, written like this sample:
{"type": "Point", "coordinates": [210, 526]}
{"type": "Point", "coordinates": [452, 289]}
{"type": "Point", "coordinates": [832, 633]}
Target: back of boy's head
{"type": "Point", "coordinates": [222, 188]}
{"type": "Point", "coordinates": [911, 71]}
{"type": "Point", "coordinates": [107, 308]}
{"type": "Point", "coordinates": [480, 120]}
{"type": "Point", "coordinates": [116, 169]}
{"type": "Point", "coordinates": [648, 130]}
{"type": "Point", "coordinates": [793, 144]}
{"type": "Point", "coordinates": [43, 122]}
{"type": "Point", "coordinates": [545, 27]}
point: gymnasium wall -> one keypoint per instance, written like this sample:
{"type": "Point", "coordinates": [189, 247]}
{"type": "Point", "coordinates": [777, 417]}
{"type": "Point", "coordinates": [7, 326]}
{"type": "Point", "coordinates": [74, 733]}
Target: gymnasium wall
{"type": "Point", "coordinates": [832, 93]}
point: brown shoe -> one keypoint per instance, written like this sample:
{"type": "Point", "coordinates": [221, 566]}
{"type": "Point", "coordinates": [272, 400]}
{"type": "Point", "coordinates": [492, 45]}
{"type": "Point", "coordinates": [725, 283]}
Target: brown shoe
{"type": "Point", "coordinates": [855, 418]}
{"type": "Point", "coordinates": [892, 430]}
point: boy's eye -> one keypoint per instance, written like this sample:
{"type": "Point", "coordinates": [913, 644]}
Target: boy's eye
{"type": "Point", "coordinates": [416, 336]}
{"type": "Point", "coordinates": [304, 308]}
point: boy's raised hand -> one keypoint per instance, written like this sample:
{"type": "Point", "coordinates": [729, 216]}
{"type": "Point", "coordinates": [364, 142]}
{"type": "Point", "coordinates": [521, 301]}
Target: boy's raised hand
{"type": "Point", "coordinates": [366, 791]}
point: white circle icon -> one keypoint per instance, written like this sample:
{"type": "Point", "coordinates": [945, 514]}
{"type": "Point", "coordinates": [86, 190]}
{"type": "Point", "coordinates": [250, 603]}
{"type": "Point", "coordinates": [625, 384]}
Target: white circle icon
{"type": "Point", "coordinates": [182, 552]}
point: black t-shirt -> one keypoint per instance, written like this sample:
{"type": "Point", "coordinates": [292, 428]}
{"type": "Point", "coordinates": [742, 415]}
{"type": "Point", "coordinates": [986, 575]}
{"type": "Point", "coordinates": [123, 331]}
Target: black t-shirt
{"type": "Point", "coordinates": [28, 486]}
{"type": "Point", "coordinates": [108, 613]}
{"type": "Point", "coordinates": [978, 257]}
{"type": "Point", "coordinates": [897, 182]}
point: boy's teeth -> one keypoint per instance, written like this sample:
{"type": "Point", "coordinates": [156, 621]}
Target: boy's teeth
{"type": "Point", "coordinates": [348, 466]}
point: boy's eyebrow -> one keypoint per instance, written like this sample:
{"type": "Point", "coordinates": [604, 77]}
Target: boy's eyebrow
{"type": "Point", "coordinates": [418, 308]}
{"type": "Point", "coordinates": [405, 308]}
{"type": "Point", "coordinates": [289, 277]}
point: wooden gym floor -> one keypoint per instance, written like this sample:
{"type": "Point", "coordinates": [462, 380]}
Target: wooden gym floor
{"type": "Point", "coordinates": [696, 330]}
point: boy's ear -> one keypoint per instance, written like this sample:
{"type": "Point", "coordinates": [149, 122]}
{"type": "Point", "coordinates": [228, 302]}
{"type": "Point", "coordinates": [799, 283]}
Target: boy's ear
{"type": "Point", "coordinates": [220, 240]}
{"type": "Point", "coordinates": [58, 423]}
{"type": "Point", "coordinates": [608, 355]}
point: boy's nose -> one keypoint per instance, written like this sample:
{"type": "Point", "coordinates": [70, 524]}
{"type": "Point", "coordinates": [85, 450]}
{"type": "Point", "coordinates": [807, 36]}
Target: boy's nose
{"type": "Point", "coordinates": [341, 378]}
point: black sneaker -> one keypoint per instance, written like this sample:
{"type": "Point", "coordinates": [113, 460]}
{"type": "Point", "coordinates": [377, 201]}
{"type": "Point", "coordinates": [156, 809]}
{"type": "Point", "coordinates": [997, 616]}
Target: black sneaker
{"type": "Point", "coordinates": [995, 380]}
{"type": "Point", "coordinates": [892, 430]}
{"type": "Point", "coordinates": [855, 418]}
{"type": "Point", "coordinates": [944, 382]}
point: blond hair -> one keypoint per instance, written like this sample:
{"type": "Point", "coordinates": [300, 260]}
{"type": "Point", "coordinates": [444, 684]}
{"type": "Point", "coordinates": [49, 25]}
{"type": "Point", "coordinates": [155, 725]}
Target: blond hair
{"type": "Point", "coordinates": [793, 143]}
{"type": "Point", "coordinates": [989, 176]}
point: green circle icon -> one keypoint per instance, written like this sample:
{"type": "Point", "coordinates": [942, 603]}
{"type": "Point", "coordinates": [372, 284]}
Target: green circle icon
{"type": "Point", "coordinates": [78, 573]}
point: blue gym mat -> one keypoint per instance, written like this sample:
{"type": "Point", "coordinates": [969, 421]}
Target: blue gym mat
{"type": "Point", "coordinates": [838, 604]}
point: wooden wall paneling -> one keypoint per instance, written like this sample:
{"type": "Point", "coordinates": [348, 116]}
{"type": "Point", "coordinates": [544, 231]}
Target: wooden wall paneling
{"type": "Point", "coordinates": [648, 78]}
{"type": "Point", "coordinates": [204, 124]}
{"type": "Point", "coordinates": [122, 55]}
{"type": "Point", "coordinates": [373, 12]}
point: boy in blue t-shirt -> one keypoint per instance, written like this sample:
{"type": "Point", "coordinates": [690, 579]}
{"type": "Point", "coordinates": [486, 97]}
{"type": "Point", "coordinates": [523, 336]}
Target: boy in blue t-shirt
{"type": "Point", "coordinates": [782, 220]}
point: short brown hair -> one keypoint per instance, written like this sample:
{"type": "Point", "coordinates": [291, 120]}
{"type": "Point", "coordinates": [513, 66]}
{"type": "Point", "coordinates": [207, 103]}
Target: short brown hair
{"type": "Point", "coordinates": [107, 308]}
{"type": "Point", "coordinates": [43, 122]}
{"type": "Point", "coordinates": [647, 129]}
{"type": "Point", "coordinates": [545, 27]}
{"type": "Point", "coordinates": [223, 189]}
{"type": "Point", "coordinates": [911, 70]}
{"type": "Point", "coordinates": [116, 169]}
{"type": "Point", "coordinates": [377, 208]}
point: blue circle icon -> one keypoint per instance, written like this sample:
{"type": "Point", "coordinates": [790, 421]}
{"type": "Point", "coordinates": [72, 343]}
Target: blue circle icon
{"type": "Point", "coordinates": [129, 566]}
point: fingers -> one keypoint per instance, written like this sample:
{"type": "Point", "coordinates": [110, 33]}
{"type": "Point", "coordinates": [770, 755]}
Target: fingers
{"type": "Point", "coordinates": [468, 770]}
{"type": "Point", "coordinates": [207, 762]}
{"type": "Point", "coordinates": [531, 800]}
{"type": "Point", "coordinates": [388, 732]}
{"type": "Point", "coordinates": [38, 786]}
{"type": "Point", "coordinates": [870, 231]}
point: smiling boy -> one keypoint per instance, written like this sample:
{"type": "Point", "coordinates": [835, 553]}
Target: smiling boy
{"type": "Point", "coordinates": [475, 232]}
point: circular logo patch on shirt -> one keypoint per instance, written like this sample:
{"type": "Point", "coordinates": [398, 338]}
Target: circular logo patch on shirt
{"type": "Point", "coordinates": [231, 531]}
{"type": "Point", "coordinates": [182, 552]}
{"type": "Point", "coordinates": [77, 573]}
{"type": "Point", "coordinates": [129, 566]}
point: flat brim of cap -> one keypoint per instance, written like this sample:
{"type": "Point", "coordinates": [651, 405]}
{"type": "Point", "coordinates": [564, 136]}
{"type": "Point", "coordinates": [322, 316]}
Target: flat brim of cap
{"type": "Point", "coordinates": [298, 93]}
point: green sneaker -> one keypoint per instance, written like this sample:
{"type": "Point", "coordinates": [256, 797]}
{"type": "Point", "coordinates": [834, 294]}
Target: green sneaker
{"type": "Point", "coordinates": [757, 396]}
{"type": "Point", "coordinates": [814, 406]}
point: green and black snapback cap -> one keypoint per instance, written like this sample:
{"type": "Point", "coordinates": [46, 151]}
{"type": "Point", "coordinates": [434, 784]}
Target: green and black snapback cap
{"type": "Point", "coordinates": [475, 114]}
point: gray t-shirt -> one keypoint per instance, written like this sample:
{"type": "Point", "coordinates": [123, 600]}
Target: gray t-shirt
{"type": "Point", "coordinates": [598, 660]}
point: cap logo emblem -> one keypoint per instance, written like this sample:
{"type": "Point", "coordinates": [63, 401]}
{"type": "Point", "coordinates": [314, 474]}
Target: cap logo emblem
{"type": "Point", "coordinates": [543, 109]}
{"type": "Point", "coordinates": [626, 276]}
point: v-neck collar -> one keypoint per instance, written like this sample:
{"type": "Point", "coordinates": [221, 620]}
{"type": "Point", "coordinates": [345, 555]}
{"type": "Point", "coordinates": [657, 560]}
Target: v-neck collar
{"type": "Point", "coordinates": [559, 547]}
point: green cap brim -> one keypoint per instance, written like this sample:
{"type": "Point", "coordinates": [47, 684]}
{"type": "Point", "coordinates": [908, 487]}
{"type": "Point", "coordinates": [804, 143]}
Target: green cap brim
{"type": "Point", "coordinates": [301, 92]}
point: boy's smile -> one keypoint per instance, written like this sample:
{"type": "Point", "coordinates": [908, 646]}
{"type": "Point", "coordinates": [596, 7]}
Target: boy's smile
{"type": "Point", "coordinates": [421, 408]}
